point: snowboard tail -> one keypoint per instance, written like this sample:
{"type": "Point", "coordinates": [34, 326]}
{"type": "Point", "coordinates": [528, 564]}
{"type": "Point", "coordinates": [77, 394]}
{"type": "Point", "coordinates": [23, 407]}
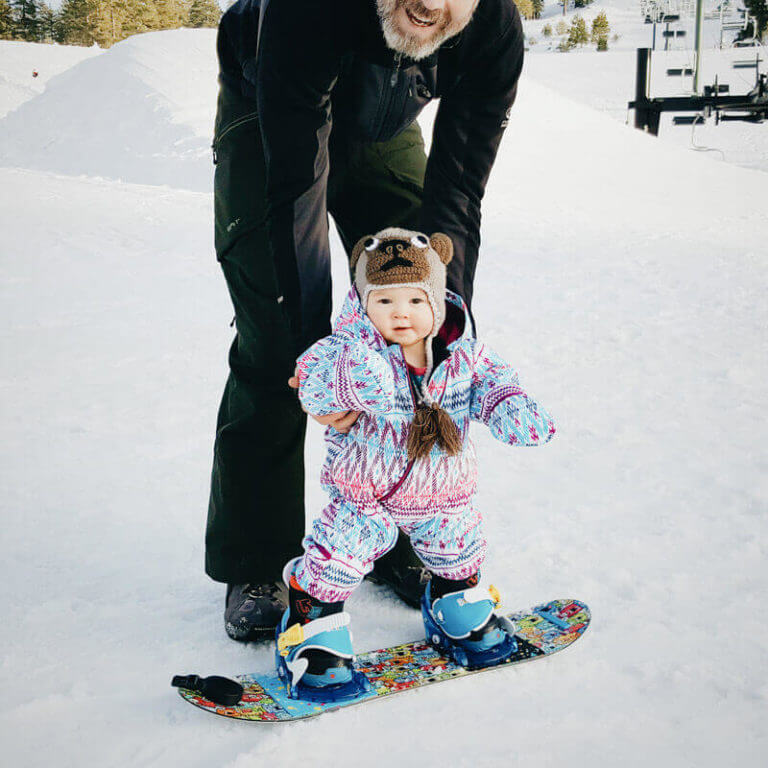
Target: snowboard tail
{"type": "Point", "coordinates": [542, 631]}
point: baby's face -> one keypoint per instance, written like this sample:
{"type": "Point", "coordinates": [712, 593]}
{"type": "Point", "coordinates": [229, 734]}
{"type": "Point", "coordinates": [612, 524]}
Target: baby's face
{"type": "Point", "coordinates": [401, 315]}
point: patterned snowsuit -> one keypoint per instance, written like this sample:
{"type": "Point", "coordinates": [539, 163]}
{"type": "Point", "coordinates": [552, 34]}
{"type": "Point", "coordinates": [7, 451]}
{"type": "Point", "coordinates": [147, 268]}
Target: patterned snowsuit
{"type": "Point", "coordinates": [373, 487]}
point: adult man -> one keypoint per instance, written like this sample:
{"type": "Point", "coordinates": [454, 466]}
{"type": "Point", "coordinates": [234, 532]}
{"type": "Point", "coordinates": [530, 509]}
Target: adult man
{"type": "Point", "coordinates": [317, 108]}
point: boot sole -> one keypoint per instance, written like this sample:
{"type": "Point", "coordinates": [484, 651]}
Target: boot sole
{"type": "Point", "coordinates": [254, 633]}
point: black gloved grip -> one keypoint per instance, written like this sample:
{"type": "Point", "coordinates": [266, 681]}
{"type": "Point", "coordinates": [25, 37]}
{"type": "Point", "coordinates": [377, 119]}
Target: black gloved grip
{"type": "Point", "coordinates": [220, 690]}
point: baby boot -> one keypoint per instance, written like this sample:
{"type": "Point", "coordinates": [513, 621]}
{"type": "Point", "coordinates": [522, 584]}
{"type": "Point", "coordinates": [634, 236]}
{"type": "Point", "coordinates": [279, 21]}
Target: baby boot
{"type": "Point", "coordinates": [314, 648]}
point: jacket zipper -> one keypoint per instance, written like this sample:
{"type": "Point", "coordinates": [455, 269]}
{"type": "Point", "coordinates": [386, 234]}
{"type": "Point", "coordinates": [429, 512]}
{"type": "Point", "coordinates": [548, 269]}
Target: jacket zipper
{"type": "Point", "coordinates": [396, 70]}
{"type": "Point", "coordinates": [234, 124]}
{"type": "Point", "coordinates": [387, 97]}
{"type": "Point", "coordinates": [409, 465]}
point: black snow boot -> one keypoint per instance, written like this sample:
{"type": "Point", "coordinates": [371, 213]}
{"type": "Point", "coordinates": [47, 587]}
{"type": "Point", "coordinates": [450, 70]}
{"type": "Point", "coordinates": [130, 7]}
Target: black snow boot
{"type": "Point", "coordinates": [254, 610]}
{"type": "Point", "coordinates": [324, 668]}
{"type": "Point", "coordinates": [402, 571]}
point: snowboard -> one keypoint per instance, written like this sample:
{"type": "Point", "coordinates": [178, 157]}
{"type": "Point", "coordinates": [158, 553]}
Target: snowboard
{"type": "Point", "coordinates": [542, 631]}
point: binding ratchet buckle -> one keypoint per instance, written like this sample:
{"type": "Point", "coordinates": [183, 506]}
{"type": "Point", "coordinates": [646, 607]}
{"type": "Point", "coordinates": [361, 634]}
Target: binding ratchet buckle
{"type": "Point", "coordinates": [292, 636]}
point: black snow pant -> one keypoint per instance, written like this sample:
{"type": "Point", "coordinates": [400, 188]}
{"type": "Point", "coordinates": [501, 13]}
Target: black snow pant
{"type": "Point", "coordinates": [256, 510]}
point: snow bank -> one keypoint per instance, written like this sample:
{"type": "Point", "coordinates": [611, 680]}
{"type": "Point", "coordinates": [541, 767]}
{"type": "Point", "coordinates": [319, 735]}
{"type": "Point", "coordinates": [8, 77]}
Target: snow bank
{"type": "Point", "coordinates": [19, 60]}
{"type": "Point", "coordinates": [141, 112]}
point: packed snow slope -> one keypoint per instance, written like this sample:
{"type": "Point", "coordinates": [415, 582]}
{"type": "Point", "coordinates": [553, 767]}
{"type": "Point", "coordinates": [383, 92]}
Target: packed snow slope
{"type": "Point", "coordinates": [624, 277]}
{"type": "Point", "coordinates": [139, 112]}
{"type": "Point", "coordinates": [20, 61]}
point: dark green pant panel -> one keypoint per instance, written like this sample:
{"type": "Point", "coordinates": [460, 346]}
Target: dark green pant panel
{"type": "Point", "coordinates": [256, 509]}
{"type": "Point", "coordinates": [373, 186]}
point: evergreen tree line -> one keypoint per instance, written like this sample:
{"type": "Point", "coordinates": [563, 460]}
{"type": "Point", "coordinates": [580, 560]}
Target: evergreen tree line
{"type": "Point", "coordinates": [578, 34]}
{"type": "Point", "coordinates": [530, 9]}
{"type": "Point", "coordinates": [104, 22]}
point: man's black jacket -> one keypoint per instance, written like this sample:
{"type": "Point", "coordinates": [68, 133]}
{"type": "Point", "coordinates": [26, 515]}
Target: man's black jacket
{"type": "Point", "coordinates": [323, 62]}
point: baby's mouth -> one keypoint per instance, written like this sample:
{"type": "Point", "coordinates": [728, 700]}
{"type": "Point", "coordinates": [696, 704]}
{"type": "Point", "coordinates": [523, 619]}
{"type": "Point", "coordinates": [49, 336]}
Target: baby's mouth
{"type": "Point", "coordinates": [415, 20]}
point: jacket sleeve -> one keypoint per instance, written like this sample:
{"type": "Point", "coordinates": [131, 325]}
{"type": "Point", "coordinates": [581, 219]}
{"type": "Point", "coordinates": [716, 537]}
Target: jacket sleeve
{"type": "Point", "coordinates": [499, 402]}
{"type": "Point", "coordinates": [469, 125]}
{"type": "Point", "coordinates": [337, 374]}
{"type": "Point", "coordinates": [298, 64]}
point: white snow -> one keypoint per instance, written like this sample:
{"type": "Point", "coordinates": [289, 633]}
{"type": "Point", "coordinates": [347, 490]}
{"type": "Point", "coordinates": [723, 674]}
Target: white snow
{"type": "Point", "coordinates": [141, 112]}
{"type": "Point", "coordinates": [20, 60]}
{"type": "Point", "coordinates": [624, 276]}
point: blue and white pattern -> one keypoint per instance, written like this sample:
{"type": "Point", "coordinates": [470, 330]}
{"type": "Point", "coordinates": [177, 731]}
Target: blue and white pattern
{"type": "Point", "coordinates": [373, 488]}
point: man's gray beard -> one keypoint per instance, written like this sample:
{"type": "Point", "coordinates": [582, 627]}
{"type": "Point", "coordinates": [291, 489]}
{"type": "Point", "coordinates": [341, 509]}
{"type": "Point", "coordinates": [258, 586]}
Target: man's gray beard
{"type": "Point", "coordinates": [409, 45]}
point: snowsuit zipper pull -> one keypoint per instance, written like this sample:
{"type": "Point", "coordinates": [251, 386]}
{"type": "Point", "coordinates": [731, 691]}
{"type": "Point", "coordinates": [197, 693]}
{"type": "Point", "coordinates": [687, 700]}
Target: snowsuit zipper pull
{"type": "Point", "coordinates": [398, 61]}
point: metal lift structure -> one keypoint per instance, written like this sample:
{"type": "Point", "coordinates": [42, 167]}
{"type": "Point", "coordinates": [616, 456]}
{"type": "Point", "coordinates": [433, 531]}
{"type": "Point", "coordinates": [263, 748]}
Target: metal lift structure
{"type": "Point", "coordinates": [711, 100]}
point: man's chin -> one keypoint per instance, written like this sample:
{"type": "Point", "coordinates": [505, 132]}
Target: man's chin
{"type": "Point", "coordinates": [402, 35]}
{"type": "Point", "coordinates": [414, 46]}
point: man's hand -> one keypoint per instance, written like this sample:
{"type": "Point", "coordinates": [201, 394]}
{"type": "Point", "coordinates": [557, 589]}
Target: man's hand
{"type": "Point", "coordinates": [341, 422]}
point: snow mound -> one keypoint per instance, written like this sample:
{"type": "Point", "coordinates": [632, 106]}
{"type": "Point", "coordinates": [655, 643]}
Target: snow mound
{"type": "Point", "coordinates": [141, 112]}
{"type": "Point", "coordinates": [19, 60]}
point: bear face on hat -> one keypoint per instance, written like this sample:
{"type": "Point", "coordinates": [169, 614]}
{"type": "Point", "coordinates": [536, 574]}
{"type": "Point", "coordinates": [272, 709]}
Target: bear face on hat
{"type": "Point", "coordinates": [397, 257]}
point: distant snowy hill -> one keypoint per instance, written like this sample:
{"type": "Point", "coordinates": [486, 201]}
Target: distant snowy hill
{"type": "Point", "coordinates": [141, 112]}
{"type": "Point", "coordinates": [625, 278]}
{"type": "Point", "coordinates": [19, 60]}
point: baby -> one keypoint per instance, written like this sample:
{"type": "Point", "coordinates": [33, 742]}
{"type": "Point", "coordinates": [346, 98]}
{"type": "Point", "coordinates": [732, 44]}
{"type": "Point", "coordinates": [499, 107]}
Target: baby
{"type": "Point", "coordinates": [404, 354]}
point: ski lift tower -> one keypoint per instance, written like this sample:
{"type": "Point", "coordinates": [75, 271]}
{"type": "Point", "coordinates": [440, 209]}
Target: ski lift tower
{"type": "Point", "coordinates": [715, 99]}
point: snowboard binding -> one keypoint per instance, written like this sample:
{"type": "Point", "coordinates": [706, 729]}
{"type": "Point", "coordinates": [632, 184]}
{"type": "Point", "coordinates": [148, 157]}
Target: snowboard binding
{"type": "Point", "coordinates": [314, 655]}
{"type": "Point", "coordinates": [463, 626]}
{"type": "Point", "coordinates": [315, 660]}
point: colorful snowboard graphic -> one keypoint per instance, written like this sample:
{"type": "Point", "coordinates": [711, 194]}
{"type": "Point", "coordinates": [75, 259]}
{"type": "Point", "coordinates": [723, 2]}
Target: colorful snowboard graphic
{"type": "Point", "coordinates": [542, 631]}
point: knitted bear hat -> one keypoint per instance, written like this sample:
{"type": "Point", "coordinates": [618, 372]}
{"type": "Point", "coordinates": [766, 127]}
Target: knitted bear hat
{"type": "Point", "coordinates": [400, 258]}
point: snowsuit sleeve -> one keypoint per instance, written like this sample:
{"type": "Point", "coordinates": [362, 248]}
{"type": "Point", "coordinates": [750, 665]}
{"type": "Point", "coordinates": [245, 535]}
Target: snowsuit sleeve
{"type": "Point", "coordinates": [338, 374]}
{"type": "Point", "coordinates": [499, 402]}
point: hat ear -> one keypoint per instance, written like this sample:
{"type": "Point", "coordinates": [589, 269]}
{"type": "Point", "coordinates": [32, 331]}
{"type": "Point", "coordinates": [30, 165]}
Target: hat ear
{"type": "Point", "coordinates": [357, 250]}
{"type": "Point", "coordinates": [443, 246]}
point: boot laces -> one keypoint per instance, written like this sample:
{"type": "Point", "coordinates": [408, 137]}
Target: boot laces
{"type": "Point", "coordinates": [423, 574]}
{"type": "Point", "coordinates": [257, 591]}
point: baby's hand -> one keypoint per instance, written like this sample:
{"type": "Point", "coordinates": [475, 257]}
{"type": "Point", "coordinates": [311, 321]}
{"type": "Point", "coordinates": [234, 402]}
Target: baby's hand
{"type": "Point", "coordinates": [341, 422]}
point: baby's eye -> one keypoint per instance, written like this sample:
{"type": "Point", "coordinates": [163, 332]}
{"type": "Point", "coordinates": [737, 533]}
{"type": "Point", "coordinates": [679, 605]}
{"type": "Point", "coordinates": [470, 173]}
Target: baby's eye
{"type": "Point", "coordinates": [385, 301]}
{"type": "Point", "coordinates": [417, 301]}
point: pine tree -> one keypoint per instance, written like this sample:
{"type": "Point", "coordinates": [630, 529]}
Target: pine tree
{"type": "Point", "coordinates": [77, 22]}
{"type": "Point", "coordinates": [600, 31]}
{"type": "Point", "coordinates": [581, 3]}
{"type": "Point", "coordinates": [171, 14]}
{"type": "Point", "coordinates": [546, 30]}
{"type": "Point", "coordinates": [141, 16]}
{"type": "Point", "coordinates": [47, 18]}
{"type": "Point", "coordinates": [525, 7]}
{"type": "Point", "coordinates": [7, 31]}
{"type": "Point", "coordinates": [538, 7]}
{"type": "Point", "coordinates": [577, 34]}
{"type": "Point", "coordinates": [25, 19]}
{"type": "Point", "coordinates": [113, 23]}
{"type": "Point", "coordinates": [204, 13]}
